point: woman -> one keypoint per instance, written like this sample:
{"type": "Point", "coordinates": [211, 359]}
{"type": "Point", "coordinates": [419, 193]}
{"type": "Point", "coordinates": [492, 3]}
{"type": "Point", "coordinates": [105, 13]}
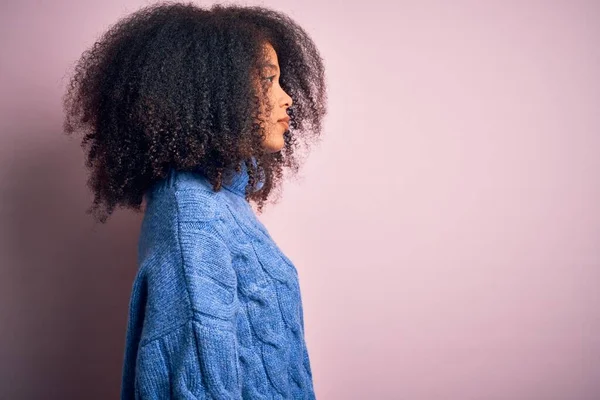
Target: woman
{"type": "Point", "coordinates": [197, 113]}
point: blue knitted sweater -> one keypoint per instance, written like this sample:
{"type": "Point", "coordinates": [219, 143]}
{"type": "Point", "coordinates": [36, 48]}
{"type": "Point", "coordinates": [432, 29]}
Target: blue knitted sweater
{"type": "Point", "coordinates": [215, 309]}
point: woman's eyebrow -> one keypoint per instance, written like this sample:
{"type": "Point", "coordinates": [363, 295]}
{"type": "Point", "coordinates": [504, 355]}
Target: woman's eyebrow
{"type": "Point", "coordinates": [272, 66]}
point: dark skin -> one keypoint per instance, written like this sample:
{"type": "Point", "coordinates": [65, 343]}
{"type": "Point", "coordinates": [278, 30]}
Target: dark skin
{"type": "Point", "coordinates": [280, 101]}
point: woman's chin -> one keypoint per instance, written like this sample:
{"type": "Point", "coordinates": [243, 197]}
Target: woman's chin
{"type": "Point", "coordinates": [274, 144]}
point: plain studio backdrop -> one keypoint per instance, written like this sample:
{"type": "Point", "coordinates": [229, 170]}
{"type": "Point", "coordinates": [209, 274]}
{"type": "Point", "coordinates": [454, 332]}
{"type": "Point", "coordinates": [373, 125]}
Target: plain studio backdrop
{"type": "Point", "coordinates": [446, 230]}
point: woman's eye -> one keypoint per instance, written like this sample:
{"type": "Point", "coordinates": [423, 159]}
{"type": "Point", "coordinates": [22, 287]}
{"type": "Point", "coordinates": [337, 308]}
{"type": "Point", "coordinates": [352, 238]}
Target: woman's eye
{"type": "Point", "coordinates": [270, 78]}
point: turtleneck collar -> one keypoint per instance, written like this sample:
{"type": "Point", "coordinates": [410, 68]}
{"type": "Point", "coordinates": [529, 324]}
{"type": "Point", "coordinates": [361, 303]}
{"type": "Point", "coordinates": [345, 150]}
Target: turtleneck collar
{"type": "Point", "coordinates": [240, 180]}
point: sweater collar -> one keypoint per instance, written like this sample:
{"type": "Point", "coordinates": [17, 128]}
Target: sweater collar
{"type": "Point", "coordinates": [240, 180]}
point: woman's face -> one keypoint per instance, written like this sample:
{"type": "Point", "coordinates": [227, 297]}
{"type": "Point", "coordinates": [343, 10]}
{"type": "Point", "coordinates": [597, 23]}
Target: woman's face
{"type": "Point", "coordinates": [277, 121]}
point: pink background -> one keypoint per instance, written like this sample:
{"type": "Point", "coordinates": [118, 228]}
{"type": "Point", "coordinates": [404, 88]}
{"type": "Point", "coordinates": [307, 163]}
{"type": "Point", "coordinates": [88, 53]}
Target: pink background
{"type": "Point", "coordinates": [446, 230]}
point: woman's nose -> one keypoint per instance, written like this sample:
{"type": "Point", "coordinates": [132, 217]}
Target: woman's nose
{"type": "Point", "coordinates": [287, 100]}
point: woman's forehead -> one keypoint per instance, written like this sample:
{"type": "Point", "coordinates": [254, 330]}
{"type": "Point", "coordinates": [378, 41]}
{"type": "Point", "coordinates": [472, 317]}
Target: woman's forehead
{"type": "Point", "coordinates": [270, 54]}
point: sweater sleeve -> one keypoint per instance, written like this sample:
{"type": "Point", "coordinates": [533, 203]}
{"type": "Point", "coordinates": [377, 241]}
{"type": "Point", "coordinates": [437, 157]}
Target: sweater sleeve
{"type": "Point", "coordinates": [199, 358]}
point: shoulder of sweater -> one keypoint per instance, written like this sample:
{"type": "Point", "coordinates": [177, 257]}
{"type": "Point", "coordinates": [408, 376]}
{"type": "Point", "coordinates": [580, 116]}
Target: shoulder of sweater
{"type": "Point", "coordinates": [185, 196]}
{"type": "Point", "coordinates": [184, 255]}
{"type": "Point", "coordinates": [181, 202]}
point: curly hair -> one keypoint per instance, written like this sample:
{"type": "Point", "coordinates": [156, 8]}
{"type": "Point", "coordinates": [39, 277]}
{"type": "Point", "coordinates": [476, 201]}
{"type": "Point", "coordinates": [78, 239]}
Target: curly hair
{"type": "Point", "coordinates": [171, 86]}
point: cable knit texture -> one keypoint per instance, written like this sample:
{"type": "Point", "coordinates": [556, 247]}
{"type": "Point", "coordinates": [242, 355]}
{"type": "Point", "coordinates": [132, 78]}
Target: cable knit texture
{"type": "Point", "coordinates": [215, 309]}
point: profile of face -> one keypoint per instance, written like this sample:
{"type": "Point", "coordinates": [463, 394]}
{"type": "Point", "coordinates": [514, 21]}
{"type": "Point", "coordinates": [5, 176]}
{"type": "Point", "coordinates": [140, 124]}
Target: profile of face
{"type": "Point", "coordinates": [277, 123]}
